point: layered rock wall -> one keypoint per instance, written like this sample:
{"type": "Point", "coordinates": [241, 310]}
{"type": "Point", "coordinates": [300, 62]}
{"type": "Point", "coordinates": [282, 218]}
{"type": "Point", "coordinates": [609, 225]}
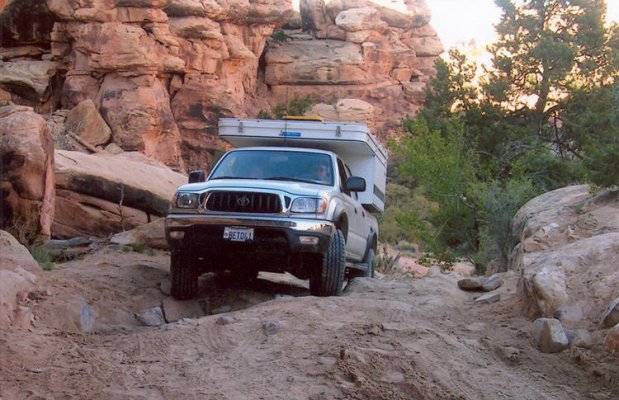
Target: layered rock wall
{"type": "Point", "coordinates": [161, 72]}
{"type": "Point", "coordinates": [360, 50]}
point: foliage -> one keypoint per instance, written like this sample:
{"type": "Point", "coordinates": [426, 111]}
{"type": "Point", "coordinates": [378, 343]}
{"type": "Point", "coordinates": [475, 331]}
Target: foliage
{"type": "Point", "coordinates": [543, 116]}
{"type": "Point", "coordinates": [386, 262]}
{"type": "Point", "coordinates": [495, 204]}
{"type": "Point", "coordinates": [443, 167]}
{"type": "Point", "coordinates": [23, 228]}
{"type": "Point", "coordinates": [444, 260]}
{"type": "Point", "coordinates": [297, 106]}
{"type": "Point", "coordinates": [42, 257]}
{"type": "Point", "coordinates": [545, 50]}
{"type": "Point", "coordinates": [279, 35]}
{"type": "Point", "coordinates": [262, 114]}
{"type": "Point", "coordinates": [404, 219]}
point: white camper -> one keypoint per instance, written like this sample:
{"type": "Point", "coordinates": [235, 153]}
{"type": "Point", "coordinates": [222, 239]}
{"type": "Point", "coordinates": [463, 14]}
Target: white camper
{"type": "Point", "coordinates": [353, 142]}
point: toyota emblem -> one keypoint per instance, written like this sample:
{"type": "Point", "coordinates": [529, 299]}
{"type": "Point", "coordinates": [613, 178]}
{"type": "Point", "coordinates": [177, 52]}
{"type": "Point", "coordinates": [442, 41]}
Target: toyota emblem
{"type": "Point", "coordinates": [242, 201]}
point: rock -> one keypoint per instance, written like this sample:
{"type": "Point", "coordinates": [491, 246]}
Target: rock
{"type": "Point", "coordinates": [488, 298]}
{"type": "Point", "coordinates": [165, 286]}
{"type": "Point", "coordinates": [611, 316]}
{"type": "Point", "coordinates": [113, 148]}
{"type": "Point", "coordinates": [316, 62]}
{"type": "Point", "coordinates": [313, 15]}
{"type": "Point", "coordinates": [359, 19]}
{"type": "Point", "coordinates": [611, 341]}
{"type": "Point", "coordinates": [83, 215]}
{"type": "Point", "coordinates": [492, 283]}
{"type": "Point", "coordinates": [62, 250]}
{"type": "Point", "coordinates": [564, 245]}
{"type": "Point", "coordinates": [85, 314]}
{"type": "Point", "coordinates": [549, 335]}
{"type": "Point", "coordinates": [225, 320]}
{"type": "Point", "coordinates": [472, 283]}
{"type": "Point", "coordinates": [85, 121]}
{"type": "Point", "coordinates": [580, 338]}
{"type": "Point", "coordinates": [139, 115]}
{"type": "Point", "coordinates": [27, 179]}
{"type": "Point", "coordinates": [272, 327]}
{"type": "Point", "coordinates": [18, 274]}
{"type": "Point", "coordinates": [151, 317]}
{"type": "Point", "coordinates": [150, 235]}
{"type": "Point", "coordinates": [175, 310]}
{"type": "Point", "coordinates": [162, 72]}
{"type": "Point", "coordinates": [29, 81]}
{"type": "Point", "coordinates": [102, 194]}
{"type": "Point", "coordinates": [22, 318]}
{"type": "Point", "coordinates": [19, 19]}
{"type": "Point", "coordinates": [353, 110]}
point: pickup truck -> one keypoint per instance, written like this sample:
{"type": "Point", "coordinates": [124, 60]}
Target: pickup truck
{"type": "Point", "coordinates": [269, 208]}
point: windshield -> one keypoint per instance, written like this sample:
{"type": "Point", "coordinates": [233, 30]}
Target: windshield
{"type": "Point", "coordinates": [276, 165]}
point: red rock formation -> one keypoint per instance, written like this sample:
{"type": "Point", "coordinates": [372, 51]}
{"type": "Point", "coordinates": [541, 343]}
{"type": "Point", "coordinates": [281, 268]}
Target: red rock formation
{"type": "Point", "coordinates": [161, 72]}
{"type": "Point", "coordinates": [26, 174]}
{"type": "Point", "coordinates": [357, 49]}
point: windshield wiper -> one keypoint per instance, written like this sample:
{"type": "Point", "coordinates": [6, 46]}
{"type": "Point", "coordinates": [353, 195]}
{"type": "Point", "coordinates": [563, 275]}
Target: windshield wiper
{"type": "Point", "coordinates": [228, 177]}
{"type": "Point", "coordinates": [287, 178]}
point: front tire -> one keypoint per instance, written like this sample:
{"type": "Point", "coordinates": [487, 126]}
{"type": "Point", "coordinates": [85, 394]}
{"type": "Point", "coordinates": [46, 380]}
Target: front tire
{"type": "Point", "coordinates": [183, 276]}
{"type": "Point", "coordinates": [329, 279]}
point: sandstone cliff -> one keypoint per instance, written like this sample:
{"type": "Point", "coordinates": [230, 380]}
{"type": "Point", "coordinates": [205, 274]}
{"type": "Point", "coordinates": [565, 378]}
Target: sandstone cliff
{"type": "Point", "coordinates": [162, 72]}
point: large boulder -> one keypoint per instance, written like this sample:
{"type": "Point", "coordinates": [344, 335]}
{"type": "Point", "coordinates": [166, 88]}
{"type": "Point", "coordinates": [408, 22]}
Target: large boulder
{"type": "Point", "coordinates": [30, 82]}
{"type": "Point", "coordinates": [26, 174]}
{"type": "Point", "coordinates": [102, 194]}
{"type": "Point", "coordinates": [85, 121]}
{"type": "Point", "coordinates": [149, 235]}
{"type": "Point", "coordinates": [18, 275]}
{"type": "Point", "coordinates": [566, 248]}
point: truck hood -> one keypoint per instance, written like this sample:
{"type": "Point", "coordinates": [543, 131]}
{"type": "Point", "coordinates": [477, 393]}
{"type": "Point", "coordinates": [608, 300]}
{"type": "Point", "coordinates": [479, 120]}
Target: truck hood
{"type": "Point", "coordinates": [287, 187]}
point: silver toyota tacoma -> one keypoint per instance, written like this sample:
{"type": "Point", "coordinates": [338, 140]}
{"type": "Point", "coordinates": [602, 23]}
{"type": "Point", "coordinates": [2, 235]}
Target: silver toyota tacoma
{"type": "Point", "coordinates": [276, 209]}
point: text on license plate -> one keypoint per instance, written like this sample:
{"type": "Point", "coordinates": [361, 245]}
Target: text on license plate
{"type": "Point", "coordinates": [238, 234]}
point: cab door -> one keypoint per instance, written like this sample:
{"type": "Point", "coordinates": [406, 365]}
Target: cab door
{"type": "Point", "coordinates": [357, 229]}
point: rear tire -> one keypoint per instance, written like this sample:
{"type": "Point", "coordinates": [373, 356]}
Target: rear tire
{"type": "Point", "coordinates": [183, 276]}
{"type": "Point", "coordinates": [329, 279]}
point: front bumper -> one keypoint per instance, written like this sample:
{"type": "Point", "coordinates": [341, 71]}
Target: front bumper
{"type": "Point", "coordinates": [204, 234]}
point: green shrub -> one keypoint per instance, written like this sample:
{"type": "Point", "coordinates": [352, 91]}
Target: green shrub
{"type": "Point", "coordinates": [495, 205]}
{"type": "Point", "coordinates": [42, 257]}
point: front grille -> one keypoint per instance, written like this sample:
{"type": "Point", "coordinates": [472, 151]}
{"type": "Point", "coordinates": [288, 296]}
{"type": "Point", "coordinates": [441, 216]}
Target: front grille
{"type": "Point", "coordinates": [244, 202]}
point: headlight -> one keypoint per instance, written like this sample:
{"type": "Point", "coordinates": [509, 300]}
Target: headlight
{"type": "Point", "coordinates": [187, 200]}
{"type": "Point", "coordinates": [309, 205]}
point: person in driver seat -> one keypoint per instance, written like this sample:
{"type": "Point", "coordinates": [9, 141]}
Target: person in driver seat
{"type": "Point", "coordinates": [321, 173]}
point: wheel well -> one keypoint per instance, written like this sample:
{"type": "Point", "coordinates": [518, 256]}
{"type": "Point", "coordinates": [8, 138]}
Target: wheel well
{"type": "Point", "coordinates": [342, 224]}
{"type": "Point", "coordinates": [372, 244]}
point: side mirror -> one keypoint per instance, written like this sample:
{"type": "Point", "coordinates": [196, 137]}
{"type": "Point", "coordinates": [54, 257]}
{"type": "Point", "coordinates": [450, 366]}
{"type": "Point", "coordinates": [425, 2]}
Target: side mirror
{"type": "Point", "coordinates": [354, 184]}
{"type": "Point", "coordinates": [197, 176]}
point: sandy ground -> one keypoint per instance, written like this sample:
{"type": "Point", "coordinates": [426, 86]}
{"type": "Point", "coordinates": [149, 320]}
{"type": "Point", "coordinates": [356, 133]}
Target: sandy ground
{"type": "Point", "coordinates": [393, 337]}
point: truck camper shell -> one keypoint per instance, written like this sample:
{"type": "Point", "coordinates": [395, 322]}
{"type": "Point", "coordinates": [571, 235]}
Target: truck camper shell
{"type": "Point", "coordinates": [352, 142]}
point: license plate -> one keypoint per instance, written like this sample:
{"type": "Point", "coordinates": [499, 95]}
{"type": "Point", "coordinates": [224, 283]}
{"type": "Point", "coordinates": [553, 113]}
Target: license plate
{"type": "Point", "coordinates": [238, 234]}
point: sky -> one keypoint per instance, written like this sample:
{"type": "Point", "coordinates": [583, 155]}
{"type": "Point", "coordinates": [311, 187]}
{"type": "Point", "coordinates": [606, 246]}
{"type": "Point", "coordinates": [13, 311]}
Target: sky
{"type": "Point", "coordinates": [459, 21]}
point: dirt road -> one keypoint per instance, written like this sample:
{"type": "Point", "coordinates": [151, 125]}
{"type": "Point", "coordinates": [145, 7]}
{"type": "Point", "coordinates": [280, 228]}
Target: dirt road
{"type": "Point", "coordinates": [387, 338]}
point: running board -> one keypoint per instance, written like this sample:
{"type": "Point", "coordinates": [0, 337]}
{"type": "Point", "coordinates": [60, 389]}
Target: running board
{"type": "Point", "coordinates": [357, 266]}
